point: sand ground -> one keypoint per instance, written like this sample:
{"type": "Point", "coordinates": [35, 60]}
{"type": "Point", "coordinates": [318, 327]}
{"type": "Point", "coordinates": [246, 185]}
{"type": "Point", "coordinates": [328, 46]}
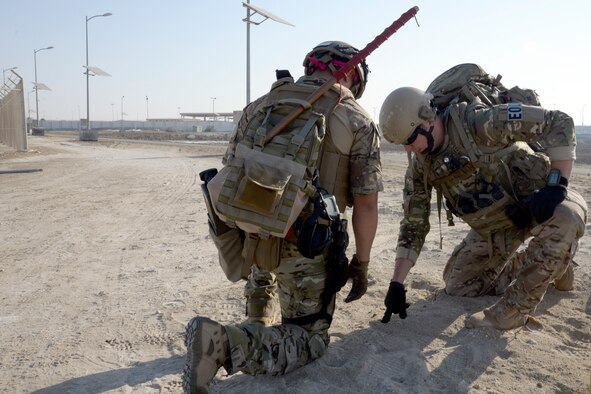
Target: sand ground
{"type": "Point", "coordinates": [105, 256]}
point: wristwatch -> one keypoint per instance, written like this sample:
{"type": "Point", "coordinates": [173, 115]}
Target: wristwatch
{"type": "Point", "coordinates": [555, 179]}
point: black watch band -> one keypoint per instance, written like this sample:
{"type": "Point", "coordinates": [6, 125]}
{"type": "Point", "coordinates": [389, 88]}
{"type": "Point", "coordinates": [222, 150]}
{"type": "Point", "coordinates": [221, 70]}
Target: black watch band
{"type": "Point", "coordinates": [563, 181]}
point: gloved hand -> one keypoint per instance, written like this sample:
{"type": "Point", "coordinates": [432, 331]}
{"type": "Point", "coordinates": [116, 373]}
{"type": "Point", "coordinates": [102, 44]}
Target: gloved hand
{"type": "Point", "coordinates": [357, 271]}
{"type": "Point", "coordinates": [520, 217]}
{"type": "Point", "coordinates": [544, 201]}
{"type": "Point", "coordinates": [395, 302]}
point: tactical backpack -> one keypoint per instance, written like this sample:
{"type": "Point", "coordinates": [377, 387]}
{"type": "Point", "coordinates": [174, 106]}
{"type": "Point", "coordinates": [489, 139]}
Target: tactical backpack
{"type": "Point", "coordinates": [466, 82]}
{"type": "Point", "coordinates": [469, 83]}
{"type": "Point", "coordinates": [265, 185]}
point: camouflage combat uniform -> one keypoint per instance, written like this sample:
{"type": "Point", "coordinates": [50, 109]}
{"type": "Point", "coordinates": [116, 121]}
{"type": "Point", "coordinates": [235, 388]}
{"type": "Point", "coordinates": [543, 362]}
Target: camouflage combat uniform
{"type": "Point", "coordinates": [487, 261]}
{"type": "Point", "coordinates": [298, 281]}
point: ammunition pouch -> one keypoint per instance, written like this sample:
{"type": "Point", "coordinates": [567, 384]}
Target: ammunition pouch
{"type": "Point", "coordinates": [265, 253]}
{"type": "Point", "coordinates": [230, 247]}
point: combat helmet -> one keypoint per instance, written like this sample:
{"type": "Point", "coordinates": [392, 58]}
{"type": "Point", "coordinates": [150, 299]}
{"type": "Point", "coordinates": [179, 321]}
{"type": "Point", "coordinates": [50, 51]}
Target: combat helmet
{"type": "Point", "coordinates": [333, 55]}
{"type": "Point", "coordinates": [403, 111]}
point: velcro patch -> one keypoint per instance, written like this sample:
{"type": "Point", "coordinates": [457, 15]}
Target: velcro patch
{"type": "Point", "coordinates": [514, 111]}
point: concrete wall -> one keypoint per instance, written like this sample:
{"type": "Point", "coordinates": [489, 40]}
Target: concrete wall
{"type": "Point", "coordinates": [12, 113]}
{"type": "Point", "coordinates": [164, 125]}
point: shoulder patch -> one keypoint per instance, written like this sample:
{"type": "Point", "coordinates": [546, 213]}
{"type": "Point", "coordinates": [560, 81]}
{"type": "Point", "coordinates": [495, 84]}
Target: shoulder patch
{"type": "Point", "coordinates": [514, 111]}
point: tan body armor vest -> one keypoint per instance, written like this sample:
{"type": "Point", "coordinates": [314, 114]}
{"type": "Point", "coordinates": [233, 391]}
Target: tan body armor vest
{"type": "Point", "coordinates": [333, 162]}
{"type": "Point", "coordinates": [484, 179]}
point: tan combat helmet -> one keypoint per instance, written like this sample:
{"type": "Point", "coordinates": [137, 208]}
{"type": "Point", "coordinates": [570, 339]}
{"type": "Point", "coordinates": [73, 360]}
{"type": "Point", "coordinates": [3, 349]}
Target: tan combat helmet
{"type": "Point", "coordinates": [403, 111]}
{"type": "Point", "coordinates": [334, 55]}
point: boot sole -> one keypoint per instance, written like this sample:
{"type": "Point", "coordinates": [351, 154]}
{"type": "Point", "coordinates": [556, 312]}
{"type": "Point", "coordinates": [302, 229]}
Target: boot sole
{"type": "Point", "coordinates": [202, 358]}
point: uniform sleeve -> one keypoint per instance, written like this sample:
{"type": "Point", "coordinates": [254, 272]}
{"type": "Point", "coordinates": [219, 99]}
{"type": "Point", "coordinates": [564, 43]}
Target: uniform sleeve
{"type": "Point", "coordinates": [365, 167]}
{"type": "Point", "coordinates": [506, 123]}
{"type": "Point", "coordinates": [414, 226]}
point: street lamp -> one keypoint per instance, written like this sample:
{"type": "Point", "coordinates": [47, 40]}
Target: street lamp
{"type": "Point", "coordinates": [213, 106]}
{"type": "Point", "coordinates": [147, 108]}
{"type": "Point", "coordinates": [36, 84]}
{"type": "Point", "coordinates": [4, 71]}
{"type": "Point", "coordinates": [122, 97]}
{"type": "Point", "coordinates": [250, 11]}
{"type": "Point", "coordinates": [29, 121]}
{"type": "Point", "coordinates": [87, 72]}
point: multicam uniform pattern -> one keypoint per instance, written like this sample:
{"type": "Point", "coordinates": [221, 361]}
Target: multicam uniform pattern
{"type": "Point", "coordinates": [256, 349]}
{"type": "Point", "coordinates": [487, 261]}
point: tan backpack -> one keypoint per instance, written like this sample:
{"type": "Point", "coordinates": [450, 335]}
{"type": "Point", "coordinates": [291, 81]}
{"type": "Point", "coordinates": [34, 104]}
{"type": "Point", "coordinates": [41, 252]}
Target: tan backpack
{"type": "Point", "coordinates": [468, 81]}
{"type": "Point", "coordinates": [265, 186]}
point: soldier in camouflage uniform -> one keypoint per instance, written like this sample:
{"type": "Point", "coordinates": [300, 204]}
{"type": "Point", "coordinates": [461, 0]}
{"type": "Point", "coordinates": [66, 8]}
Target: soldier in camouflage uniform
{"type": "Point", "coordinates": [508, 194]}
{"type": "Point", "coordinates": [253, 348]}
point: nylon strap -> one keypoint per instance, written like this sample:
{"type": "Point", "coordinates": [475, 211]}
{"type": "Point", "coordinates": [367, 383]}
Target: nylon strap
{"type": "Point", "coordinates": [308, 319]}
{"type": "Point", "coordinates": [466, 139]}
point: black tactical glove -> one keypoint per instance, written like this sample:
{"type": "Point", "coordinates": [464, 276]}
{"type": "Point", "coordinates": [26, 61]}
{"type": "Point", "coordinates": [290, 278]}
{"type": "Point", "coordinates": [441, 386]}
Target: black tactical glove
{"type": "Point", "coordinates": [357, 271]}
{"type": "Point", "coordinates": [395, 302]}
{"type": "Point", "coordinates": [544, 201]}
{"type": "Point", "coordinates": [520, 216]}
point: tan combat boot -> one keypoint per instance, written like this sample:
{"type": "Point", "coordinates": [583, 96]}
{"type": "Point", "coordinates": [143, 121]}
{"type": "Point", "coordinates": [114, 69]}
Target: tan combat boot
{"type": "Point", "coordinates": [566, 281]}
{"type": "Point", "coordinates": [500, 316]}
{"type": "Point", "coordinates": [208, 349]}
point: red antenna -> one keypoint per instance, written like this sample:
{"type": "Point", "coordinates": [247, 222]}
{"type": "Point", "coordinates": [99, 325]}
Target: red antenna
{"type": "Point", "coordinates": [340, 74]}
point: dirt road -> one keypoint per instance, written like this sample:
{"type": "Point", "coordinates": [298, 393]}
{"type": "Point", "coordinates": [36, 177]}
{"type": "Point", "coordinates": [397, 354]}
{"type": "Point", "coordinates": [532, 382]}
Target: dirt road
{"type": "Point", "coordinates": [105, 256]}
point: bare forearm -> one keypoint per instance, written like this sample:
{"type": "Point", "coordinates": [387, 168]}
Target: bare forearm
{"type": "Point", "coordinates": [365, 223]}
{"type": "Point", "coordinates": [401, 270]}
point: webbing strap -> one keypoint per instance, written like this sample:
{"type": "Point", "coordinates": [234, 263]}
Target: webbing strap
{"type": "Point", "coordinates": [426, 170]}
{"type": "Point", "coordinates": [261, 133]}
{"type": "Point", "coordinates": [308, 319]}
{"type": "Point", "coordinates": [510, 179]}
{"type": "Point", "coordinates": [462, 173]}
{"type": "Point", "coordinates": [298, 140]}
{"type": "Point", "coordinates": [439, 200]}
{"type": "Point", "coordinates": [466, 139]}
{"type": "Point", "coordinates": [304, 103]}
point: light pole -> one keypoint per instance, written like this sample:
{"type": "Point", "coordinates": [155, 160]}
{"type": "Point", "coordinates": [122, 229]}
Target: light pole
{"type": "Point", "coordinates": [88, 136]}
{"type": "Point", "coordinates": [36, 86]}
{"type": "Point", "coordinates": [4, 72]}
{"type": "Point", "coordinates": [147, 108]}
{"type": "Point", "coordinates": [122, 97]}
{"type": "Point", "coordinates": [250, 11]}
{"type": "Point", "coordinates": [213, 106]}
{"type": "Point", "coordinates": [29, 120]}
{"type": "Point", "coordinates": [112, 111]}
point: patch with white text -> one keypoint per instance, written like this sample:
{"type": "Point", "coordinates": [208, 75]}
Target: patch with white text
{"type": "Point", "coordinates": [514, 111]}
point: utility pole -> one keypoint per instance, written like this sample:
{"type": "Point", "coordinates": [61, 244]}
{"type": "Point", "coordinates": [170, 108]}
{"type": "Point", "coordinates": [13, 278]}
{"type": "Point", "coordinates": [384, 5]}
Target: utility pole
{"type": "Point", "coordinates": [213, 106]}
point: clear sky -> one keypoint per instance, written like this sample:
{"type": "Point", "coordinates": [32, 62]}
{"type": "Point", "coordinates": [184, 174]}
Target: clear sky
{"type": "Point", "coordinates": [182, 53]}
